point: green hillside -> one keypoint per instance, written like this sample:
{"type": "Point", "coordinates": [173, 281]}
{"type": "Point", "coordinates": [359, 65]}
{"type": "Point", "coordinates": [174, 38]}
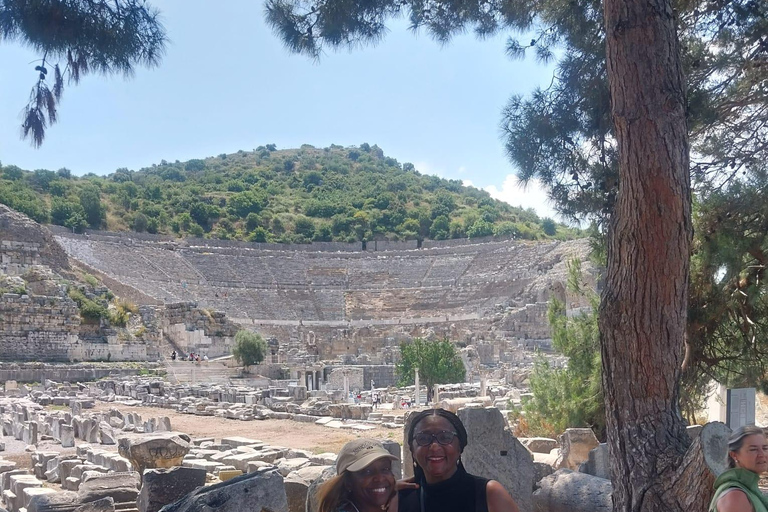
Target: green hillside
{"type": "Point", "coordinates": [288, 196]}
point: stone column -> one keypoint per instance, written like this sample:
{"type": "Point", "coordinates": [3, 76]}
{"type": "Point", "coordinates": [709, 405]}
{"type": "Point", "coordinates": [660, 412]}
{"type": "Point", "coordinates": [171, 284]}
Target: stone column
{"type": "Point", "coordinates": [483, 385]}
{"type": "Point", "coordinates": [346, 387]}
{"type": "Point", "coordinates": [416, 393]}
{"type": "Point", "coordinates": [436, 395]}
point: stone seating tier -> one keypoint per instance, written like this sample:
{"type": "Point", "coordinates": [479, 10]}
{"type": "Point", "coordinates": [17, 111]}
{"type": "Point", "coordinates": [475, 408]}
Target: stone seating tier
{"type": "Point", "coordinates": [333, 286]}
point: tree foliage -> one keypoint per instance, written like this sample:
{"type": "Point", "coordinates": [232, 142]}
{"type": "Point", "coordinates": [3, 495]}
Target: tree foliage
{"type": "Point", "coordinates": [438, 363]}
{"type": "Point", "coordinates": [74, 38]}
{"type": "Point", "coordinates": [728, 310]}
{"type": "Point", "coordinates": [249, 196]}
{"type": "Point", "coordinates": [570, 396]}
{"type": "Point", "coordinates": [250, 348]}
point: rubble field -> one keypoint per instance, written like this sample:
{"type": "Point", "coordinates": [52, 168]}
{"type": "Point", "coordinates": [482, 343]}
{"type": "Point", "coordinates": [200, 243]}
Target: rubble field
{"type": "Point", "coordinates": [291, 434]}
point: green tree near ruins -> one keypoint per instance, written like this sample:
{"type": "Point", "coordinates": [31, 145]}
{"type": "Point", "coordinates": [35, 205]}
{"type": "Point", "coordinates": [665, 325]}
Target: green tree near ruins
{"type": "Point", "coordinates": [570, 396]}
{"type": "Point", "coordinates": [438, 363]}
{"type": "Point", "coordinates": [250, 348]}
{"type": "Point", "coordinates": [75, 38]}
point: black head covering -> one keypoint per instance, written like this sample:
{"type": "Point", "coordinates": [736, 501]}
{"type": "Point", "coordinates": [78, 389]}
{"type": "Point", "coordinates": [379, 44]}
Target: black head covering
{"type": "Point", "coordinates": [452, 418]}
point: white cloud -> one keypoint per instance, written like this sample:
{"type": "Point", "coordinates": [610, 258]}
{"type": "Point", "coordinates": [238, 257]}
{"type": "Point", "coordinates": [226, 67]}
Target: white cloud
{"type": "Point", "coordinates": [530, 195]}
{"type": "Point", "coordinates": [426, 168]}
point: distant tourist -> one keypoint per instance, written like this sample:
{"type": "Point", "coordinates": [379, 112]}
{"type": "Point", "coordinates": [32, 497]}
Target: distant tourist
{"type": "Point", "coordinates": [205, 358]}
{"type": "Point", "coordinates": [736, 489]}
{"type": "Point", "coordinates": [364, 481]}
{"type": "Point", "coordinates": [173, 355]}
{"type": "Point", "coordinates": [440, 483]}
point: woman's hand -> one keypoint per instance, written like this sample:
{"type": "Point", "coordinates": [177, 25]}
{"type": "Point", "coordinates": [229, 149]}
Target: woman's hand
{"type": "Point", "coordinates": [406, 483]}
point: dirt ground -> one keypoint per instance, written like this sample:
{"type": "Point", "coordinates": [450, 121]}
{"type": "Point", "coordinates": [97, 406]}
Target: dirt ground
{"type": "Point", "coordinates": [288, 433]}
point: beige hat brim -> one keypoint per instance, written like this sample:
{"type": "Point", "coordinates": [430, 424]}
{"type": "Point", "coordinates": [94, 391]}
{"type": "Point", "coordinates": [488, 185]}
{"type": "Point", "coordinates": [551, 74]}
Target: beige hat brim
{"type": "Point", "coordinates": [363, 462]}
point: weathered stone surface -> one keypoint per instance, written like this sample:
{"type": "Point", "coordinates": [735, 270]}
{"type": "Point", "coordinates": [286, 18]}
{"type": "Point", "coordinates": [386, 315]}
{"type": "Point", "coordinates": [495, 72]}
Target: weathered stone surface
{"type": "Point", "coordinates": [122, 487]}
{"type": "Point", "coordinates": [539, 444]}
{"type": "Point", "coordinates": [253, 491]}
{"type": "Point", "coordinates": [296, 493]}
{"type": "Point", "coordinates": [17, 227]}
{"type": "Point", "coordinates": [60, 502]}
{"type": "Point", "coordinates": [286, 466]}
{"type": "Point", "coordinates": [67, 436]}
{"type": "Point", "coordinates": [541, 470]}
{"type": "Point", "coordinates": [311, 473]}
{"type": "Point", "coordinates": [102, 505]}
{"type": "Point", "coordinates": [161, 487]}
{"type": "Point", "coordinates": [156, 451]}
{"type": "Point", "coordinates": [575, 445]}
{"type": "Point", "coordinates": [598, 463]}
{"type": "Point", "coordinates": [327, 474]}
{"type": "Point", "coordinates": [493, 452]}
{"type": "Point", "coordinates": [714, 443]}
{"type": "Point", "coordinates": [569, 491]}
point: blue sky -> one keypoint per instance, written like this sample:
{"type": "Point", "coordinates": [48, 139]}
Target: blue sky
{"type": "Point", "coordinates": [227, 83]}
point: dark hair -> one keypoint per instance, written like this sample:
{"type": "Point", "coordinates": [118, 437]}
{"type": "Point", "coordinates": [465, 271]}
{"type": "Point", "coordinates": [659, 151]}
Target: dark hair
{"type": "Point", "coordinates": [736, 441]}
{"type": "Point", "coordinates": [454, 420]}
{"type": "Point", "coordinates": [332, 493]}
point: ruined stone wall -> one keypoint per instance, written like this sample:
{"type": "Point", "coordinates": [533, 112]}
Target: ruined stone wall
{"type": "Point", "coordinates": [40, 328]}
{"type": "Point", "coordinates": [17, 257]}
{"type": "Point", "coordinates": [192, 329]}
{"type": "Point", "coordinates": [37, 328]}
{"type": "Point", "coordinates": [38, 372]}
{"type": "Point", "coordinates": [24, 242]}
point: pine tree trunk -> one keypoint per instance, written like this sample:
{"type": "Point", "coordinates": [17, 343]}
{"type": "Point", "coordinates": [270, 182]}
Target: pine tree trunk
{"type": "Point", "coordinates": [644, 304]}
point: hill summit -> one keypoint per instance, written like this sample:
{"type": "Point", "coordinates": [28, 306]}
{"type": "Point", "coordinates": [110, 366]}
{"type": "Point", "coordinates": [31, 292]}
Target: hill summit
{"type": "Point", "coordinates": [337, 193]}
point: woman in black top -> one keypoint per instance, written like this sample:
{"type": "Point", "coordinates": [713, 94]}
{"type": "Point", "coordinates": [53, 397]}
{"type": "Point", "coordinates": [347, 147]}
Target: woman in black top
{"type": "Point", "coordinates": [441, 484]}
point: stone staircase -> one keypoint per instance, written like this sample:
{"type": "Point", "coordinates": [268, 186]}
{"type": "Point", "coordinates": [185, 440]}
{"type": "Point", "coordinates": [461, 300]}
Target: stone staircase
{"type": "Point", "coordinates": [189, 372]}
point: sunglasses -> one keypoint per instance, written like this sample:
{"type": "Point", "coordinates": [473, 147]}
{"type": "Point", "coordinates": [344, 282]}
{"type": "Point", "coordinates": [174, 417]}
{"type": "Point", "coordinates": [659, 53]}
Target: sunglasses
{"type": "Point", "coordinates": [443, 437]}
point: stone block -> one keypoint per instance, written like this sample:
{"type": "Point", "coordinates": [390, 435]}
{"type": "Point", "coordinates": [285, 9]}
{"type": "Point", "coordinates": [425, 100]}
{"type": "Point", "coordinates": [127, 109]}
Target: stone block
{"type": "Point", "coordinates": [122, 487]}
{"type": "Point", "coordinates": [161, 487]}
{"type": "Point", "coordinates": [540, 471]}
{"type": "Point", "coordinates": [286, 466]}
{"type": "Point", "coordinates": [327, 474]}
{"type": "Point", "coordinates": [102, 505]}
{"type": "Point", "coordinates": [239, 441]}
{"type": "Point", "coordinates": [255, 491]}
{"type": "Point", "coordinates": [67, 436]}
{"type": "Point", "coordinates": [154, 452]}
{"type": "Point", "coordinates": [296, 493]}
{"type": "Point", "coordinates": [229, 474]}
{"type": "Point", "coordinates": [597, 463]}
{"type": "Point", "coordinates": [575, 445]}
{"type": "Point", "coordinates": [324, 459]}
{"type": "Point", "coordinates": [31, 492]}
{"type": "Point", "coordinates": [539, 444]}
{"type": "Point", "coordinates": [569, 491]}
{"type": "Point", "coordinates": [493, 452]}
{"type": "Point", "coordinates": [58, 502]}
{"type": "Point", "coordinates": [206, 465]}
